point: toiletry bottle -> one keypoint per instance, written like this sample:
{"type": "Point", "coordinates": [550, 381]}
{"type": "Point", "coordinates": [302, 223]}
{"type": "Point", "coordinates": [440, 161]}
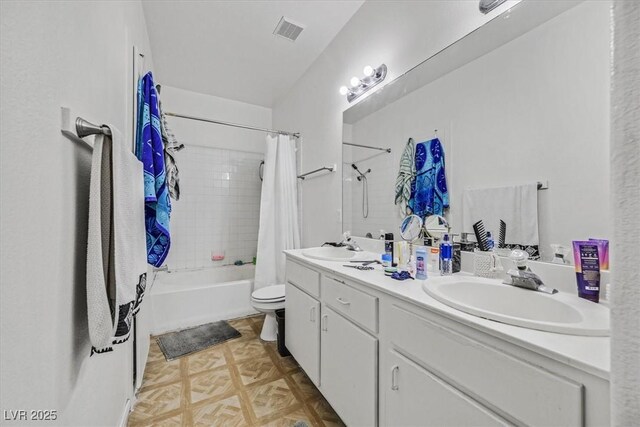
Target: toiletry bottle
{"type": "Point", "coordinates": [490, 241]}
{"type": "Point", "coordinates": [446, 256]}
{"type": "Point", "coordinates": [421, 263]}
{"type": "Point", "coordinates": [411, 263]}
{"type": "Point", "coordinates": [396, 253]}
{"type": "Point", "coordinates": [434, 258]}
{"type": "Point", "coordinates": [386, 260]}
{"type": "Point", "coordinates": [457, 255]}
{"type": "Point", "coordinates": [388, 246]}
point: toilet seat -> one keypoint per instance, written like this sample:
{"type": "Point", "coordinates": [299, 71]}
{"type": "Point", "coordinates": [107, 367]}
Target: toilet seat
{"type": "Point", "coordinates": [269, 294]}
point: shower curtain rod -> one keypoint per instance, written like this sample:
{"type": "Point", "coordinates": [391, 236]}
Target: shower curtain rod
{"type": "Point", "coordinates": [218, 122]}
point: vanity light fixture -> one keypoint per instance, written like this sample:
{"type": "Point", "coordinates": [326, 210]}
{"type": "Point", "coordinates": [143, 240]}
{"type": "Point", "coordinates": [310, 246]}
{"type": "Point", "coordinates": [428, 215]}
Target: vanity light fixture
{"type": "Point", "coordinates": [372, 77]}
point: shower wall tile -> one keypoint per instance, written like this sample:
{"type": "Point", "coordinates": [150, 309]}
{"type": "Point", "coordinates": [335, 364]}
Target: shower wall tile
{"type": "Point", "coordinates": [219, 207]}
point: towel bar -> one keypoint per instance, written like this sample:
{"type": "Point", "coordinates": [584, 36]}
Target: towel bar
{"type": "Point", "coordinates": [86, 128]}
{"type": "Point", "coordinates": [327, 168]}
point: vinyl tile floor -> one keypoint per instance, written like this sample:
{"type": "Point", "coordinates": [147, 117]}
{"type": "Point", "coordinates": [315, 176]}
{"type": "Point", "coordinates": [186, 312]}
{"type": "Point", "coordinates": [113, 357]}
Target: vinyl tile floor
{"type": "Point", "coordinates": [242, 382]}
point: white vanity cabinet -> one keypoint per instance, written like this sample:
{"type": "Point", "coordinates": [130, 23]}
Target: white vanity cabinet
{"type": "Point", "coordinates": [329, 333]}
{"type": "Point", "coordinates": [348, 369]}
{"type": "Point", "coordinates": [349, 350]}
{"type": "Point", "coordinates": [302, 329]}
{"type": "Point", "coordinates": [381, 358]}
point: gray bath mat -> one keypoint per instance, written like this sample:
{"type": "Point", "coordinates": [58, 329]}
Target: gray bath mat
{"type": "Point", "coordinates": [187, 341]}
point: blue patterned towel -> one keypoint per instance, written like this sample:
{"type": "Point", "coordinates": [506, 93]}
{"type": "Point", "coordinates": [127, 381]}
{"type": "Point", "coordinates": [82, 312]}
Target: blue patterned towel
{"type": "Point", "coordinates": [429, 195]}
{"type": "Point", "coordinates": [150, 151]}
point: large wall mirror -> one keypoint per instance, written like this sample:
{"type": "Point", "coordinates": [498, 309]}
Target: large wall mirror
{"type": "Point", "coordinates": [520, 101]}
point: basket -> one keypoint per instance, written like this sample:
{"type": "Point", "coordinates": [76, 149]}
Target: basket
{"type": "Point", "coordinates": [487, 264]}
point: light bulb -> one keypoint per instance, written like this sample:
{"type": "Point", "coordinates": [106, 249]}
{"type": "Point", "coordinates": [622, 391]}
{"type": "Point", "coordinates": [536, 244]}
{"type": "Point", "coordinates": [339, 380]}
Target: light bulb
{"type": "Point", "coordinates": [354, 81]}
{"type": "Point", "coordinates": [368, 71]}
{"type": "Point", "coordinates": [344, 90]}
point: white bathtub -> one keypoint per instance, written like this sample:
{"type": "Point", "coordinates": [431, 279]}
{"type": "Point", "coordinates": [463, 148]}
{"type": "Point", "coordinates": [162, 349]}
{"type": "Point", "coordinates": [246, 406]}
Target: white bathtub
{"type": "Point", "coordinates": [186, 298]}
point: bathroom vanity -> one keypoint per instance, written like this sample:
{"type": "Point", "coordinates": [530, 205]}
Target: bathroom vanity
{"type": "Point", "coordinates": [384, 352]}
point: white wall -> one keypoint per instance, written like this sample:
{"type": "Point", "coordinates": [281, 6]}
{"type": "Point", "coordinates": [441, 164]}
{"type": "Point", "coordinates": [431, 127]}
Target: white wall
{"type": "Point", "coordinates": [219, 205]}
{"type": "Point", "coordinates": [77, 54]}
{"type": "Point", "coordinates": [535, 109]}
{"type": "Point", "coordinates": [398, 33]}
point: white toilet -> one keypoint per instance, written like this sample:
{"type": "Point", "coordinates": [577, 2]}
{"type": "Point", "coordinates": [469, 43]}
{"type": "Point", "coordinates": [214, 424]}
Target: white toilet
{"type": "Point", "coordinates": [267, 300]}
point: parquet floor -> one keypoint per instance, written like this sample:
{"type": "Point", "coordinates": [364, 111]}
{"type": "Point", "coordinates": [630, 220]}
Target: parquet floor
{"type": "Point", "coordinates": [242, 382]}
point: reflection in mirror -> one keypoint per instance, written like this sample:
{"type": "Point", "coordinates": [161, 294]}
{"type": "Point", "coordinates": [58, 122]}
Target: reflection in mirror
{"type": "Point", "coordinates": [436, 226]}
{"type": "Point", "coordinates": [522, 100]}
{"type": "Point", "coordinates": [411, 228]}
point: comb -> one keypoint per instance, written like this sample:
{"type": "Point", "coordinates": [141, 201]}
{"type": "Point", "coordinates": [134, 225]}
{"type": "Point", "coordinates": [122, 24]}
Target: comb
{"type": "Point", "coordinates": [481, 236]}
{"type": "Point", "coordinates": [503, 234]}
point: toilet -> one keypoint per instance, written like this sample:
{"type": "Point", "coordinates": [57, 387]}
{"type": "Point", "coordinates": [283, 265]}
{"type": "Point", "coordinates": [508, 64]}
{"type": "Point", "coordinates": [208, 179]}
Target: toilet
{"type": "Point", "coordinates": [267, 300]}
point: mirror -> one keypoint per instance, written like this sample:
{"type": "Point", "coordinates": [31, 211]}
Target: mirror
{"type": "Point", "coordinates": [519, 106]}
{"type": "Point", "coordinates": [436, 226]}
{"type": "Point", "coordinates": [411, 228]}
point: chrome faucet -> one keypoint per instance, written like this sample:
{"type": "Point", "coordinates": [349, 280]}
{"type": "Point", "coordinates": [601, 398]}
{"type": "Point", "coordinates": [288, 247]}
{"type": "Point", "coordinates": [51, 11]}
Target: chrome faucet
{"type": "Point", "coordinates": [523, 277]}
{"type": "Point", "coordinates": [349, 243]}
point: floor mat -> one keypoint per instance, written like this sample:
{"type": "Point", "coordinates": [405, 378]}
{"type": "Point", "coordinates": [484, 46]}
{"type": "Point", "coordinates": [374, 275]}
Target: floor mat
{"type": "Point", "coordinates": [187, 341]}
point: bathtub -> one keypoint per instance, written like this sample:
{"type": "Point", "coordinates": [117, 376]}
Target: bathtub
{"type": "Point", "coordinates": [185, 298]}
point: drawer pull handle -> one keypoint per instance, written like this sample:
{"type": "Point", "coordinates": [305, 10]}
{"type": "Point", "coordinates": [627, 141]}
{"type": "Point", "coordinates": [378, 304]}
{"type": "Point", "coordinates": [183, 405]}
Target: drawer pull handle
{"type": "Point", "coordinates": [338, 280]}
{"type": "Point", "coordinates": [394, 378]}
{"type": "Point", "coordinates": [312, 314]}
{"type": "Point", "coordinates": [324, 323]}
{"type": "Point", "coordinates": [343, 302]}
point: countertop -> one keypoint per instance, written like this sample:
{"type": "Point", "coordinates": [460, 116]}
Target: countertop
{"type": "Point", "coordinates": [590, 354]}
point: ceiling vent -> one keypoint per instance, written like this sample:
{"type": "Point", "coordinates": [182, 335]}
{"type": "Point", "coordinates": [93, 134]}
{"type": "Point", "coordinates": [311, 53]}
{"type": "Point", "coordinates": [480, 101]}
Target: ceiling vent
{"type": "Point", "coordinates": [287, 29]}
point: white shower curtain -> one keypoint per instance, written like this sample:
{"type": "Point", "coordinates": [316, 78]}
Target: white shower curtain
{"type": "Point", "coordinates": [279, 229]}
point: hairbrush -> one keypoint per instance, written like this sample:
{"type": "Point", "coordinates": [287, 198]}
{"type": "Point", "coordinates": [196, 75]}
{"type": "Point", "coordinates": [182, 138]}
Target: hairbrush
{"type": "Point", "coordinates": [503, 234]}
{"type": "Point", "coordinates": [481, 236]}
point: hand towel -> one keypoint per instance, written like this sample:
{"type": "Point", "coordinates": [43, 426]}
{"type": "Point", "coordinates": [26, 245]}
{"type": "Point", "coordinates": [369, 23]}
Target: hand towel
{"type": "Point", "coordinates": [150, 151]}
{"type": "Point", "coordinates": [429, 194]}
{"type": "Point", "coordinates": [116, 267]}
{"type": "Point", "coordinates": [406, 175]}
{"type": "Point", "coordinates": [516, 205]}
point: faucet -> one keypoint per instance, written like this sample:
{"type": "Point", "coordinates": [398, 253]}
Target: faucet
{"type": "Point", "coordinates": [349, 243]}
{"type": "Point", "coordinates": [523, 277]}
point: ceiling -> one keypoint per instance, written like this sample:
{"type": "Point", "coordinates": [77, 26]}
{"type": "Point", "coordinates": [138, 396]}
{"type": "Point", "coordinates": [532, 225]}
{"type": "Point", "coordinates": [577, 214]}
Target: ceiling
{"type": "Point", "coordinates": [228, 49]}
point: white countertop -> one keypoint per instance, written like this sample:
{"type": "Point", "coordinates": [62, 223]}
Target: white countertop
{"type": "Point", "coordinates": [590, 354]}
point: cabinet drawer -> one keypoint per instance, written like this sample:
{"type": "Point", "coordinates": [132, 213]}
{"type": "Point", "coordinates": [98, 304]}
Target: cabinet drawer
{"type": "Point", "coordinates": [305, 278]}
{"type": "Point", "coordinates": [354, 304]}
{"type": "Point", "coordinates": [525, 393]}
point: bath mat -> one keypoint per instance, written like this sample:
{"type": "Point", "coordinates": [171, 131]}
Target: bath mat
{"type": "Point", "coordinates": [187, 341]}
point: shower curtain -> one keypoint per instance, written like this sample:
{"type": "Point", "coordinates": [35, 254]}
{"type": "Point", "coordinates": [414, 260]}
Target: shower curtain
{"type": "Point", "coordinates": [279, 229]}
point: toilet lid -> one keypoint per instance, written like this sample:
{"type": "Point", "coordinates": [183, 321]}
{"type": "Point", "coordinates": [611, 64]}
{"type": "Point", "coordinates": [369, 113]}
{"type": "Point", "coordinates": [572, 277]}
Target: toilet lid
{"type": "Point", "coordinates": [274, 293]}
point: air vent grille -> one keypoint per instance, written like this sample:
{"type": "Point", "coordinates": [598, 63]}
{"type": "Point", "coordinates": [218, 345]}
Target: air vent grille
{"type": "Point", "coordinates": [287, 29]}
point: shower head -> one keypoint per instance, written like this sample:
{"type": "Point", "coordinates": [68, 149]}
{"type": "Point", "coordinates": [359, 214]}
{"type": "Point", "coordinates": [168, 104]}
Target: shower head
{"type": "Point", "coordinates": [361, 175]}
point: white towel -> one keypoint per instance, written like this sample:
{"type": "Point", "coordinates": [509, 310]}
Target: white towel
{"type": "Point", "coordinates": [516, 205]}
{"type": "Point", "coordinates": [116, 252]}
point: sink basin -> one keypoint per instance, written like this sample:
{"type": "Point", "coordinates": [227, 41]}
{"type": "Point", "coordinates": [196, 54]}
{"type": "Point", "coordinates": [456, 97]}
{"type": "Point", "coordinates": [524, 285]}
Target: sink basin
{"type": "Point", "coordinates": [488, 298]}
{"type": "Point", "coordinates": [329, 253]}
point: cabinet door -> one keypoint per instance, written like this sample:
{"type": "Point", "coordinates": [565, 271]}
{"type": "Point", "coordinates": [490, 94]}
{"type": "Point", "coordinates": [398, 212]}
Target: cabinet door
{"type": "Point", "coordinates": [302, 330]}
{"type": "Point", "coordinates": [348, 369]}
{"type": "Point", "coordinates": [414, 396]}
